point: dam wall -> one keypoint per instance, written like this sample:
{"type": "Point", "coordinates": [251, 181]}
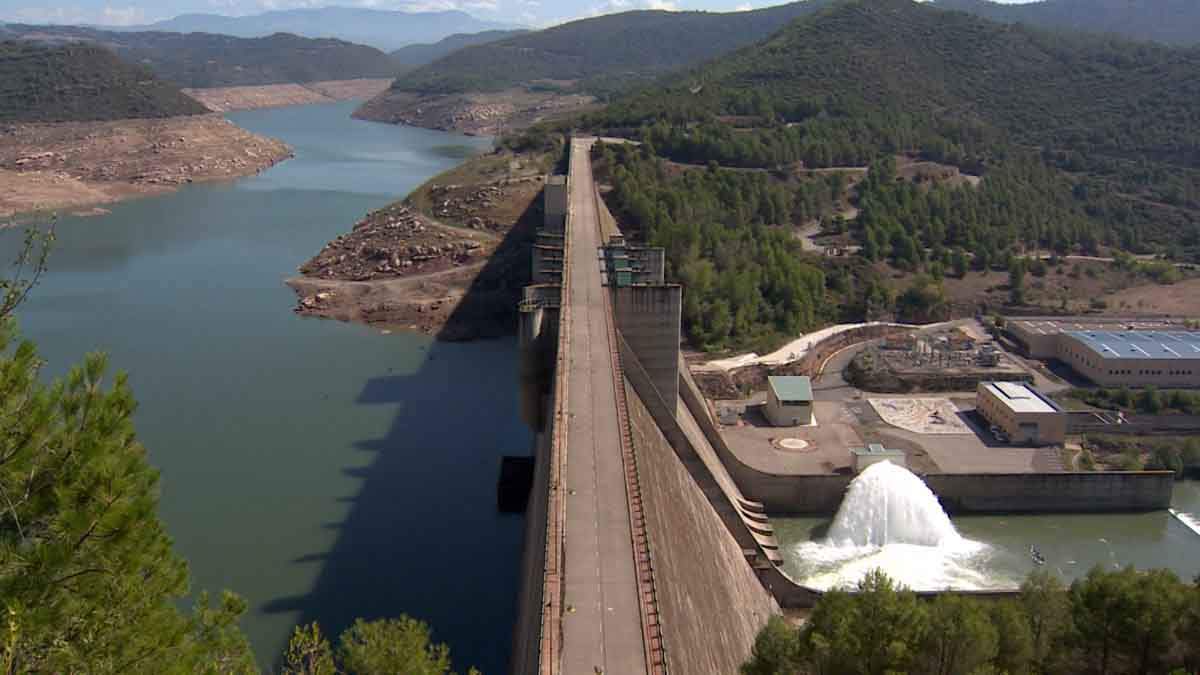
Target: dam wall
{"type": "Point", "coordinates": [526, 630]}
{"type": "Point", "coordinates": [712, 604]}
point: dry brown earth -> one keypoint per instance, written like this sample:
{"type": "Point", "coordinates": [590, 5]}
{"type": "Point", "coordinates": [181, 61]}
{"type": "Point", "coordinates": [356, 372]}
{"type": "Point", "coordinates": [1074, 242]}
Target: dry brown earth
{"type": "Point", "coordinates": [49, 167]}
{"type": "Point", "coordinates": [225, 99]}
{"type": "Point", "coordinates": [474, 113]}
{"type": "Point", "coordinates": [1179, 299]}
{"type": "Point", "coordinates": [450, 260]}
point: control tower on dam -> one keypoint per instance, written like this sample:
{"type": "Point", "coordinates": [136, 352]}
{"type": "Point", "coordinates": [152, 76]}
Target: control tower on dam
{"type": "Point", "coordinates": [641, 556]}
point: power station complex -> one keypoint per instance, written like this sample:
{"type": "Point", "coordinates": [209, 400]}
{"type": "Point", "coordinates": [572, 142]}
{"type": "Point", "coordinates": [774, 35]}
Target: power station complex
{"type": "Point", "coordinates": [1112, 353]}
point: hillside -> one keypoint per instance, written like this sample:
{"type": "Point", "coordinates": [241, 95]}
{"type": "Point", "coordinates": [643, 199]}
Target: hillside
{"type": "Point", "coordinates": [600, 53]}
{"type": "Point", "coordinates": [1173, 22]}
{"type": "Point", "coordinates": [386, 30]}
{"type": "Point", "coordinates": [1036, 142]}
{"type": "Point", "coordinates": [81, 83]}
{"type": "Point", "coordinates": [201, 60]}
{"type": "Point", "coordinates": [417, 55]}
{"type": "Point", "coordinates": [955, 86]}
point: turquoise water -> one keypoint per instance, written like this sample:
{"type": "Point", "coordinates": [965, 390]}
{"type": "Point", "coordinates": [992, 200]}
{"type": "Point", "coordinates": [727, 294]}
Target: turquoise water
{"type": "Point", "coordinates": [322, 470]}
{"type": "Point", "coordinates": [997, 552]}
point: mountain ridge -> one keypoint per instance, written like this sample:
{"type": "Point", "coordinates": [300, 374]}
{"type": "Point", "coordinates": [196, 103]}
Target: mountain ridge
{"type": "Point", "coordinates": [382, 29]}
{"type": "Point", "coordinates": [603, 52]}
{"type": "Point", "coordinates": [1172, 22]}
{"type": "Point", "coordinates": [204, 60]}
{"type": "Point", "coordinates": [415, 55]}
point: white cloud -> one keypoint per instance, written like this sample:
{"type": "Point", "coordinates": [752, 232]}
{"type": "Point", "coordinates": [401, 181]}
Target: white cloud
{"type": "Point", "coordinates": [74, 14]}
{"type": "Point", "coordinates": [123, 16]}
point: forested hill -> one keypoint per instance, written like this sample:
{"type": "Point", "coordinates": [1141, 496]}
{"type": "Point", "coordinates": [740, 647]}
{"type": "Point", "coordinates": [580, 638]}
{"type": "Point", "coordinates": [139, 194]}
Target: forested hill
{"type": "Point", "coordinates": [80, 82]}
{"type": "Point", "coordinates": [1120, 98]}
{"type": "Point", "coordinates": [1071, 144]}
{"type": "Point", "coordinates": [209, 60]}
{"type": "Point", "coordinates": [603, 52]}
{"type": "Point", "coordinates": [1175, 22]}
{"type": "Point", "coordinates": [898, 74]}
{"type": "Point", "coordinates": [417, 55]}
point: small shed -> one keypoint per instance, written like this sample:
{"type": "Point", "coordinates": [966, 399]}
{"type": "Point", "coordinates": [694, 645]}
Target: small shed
{"type": "Point", "coordinates": [789, 400]}
{"type": "Point", "coordinates": [873, 454]}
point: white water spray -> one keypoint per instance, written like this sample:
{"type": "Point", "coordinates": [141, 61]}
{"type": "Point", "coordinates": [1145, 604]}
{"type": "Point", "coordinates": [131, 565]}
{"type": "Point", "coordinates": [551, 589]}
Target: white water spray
{"type": "Point", "coordinates": [888, 504]}
{"type": "Point", "coordinates": [890, 520]}
{"type": "Point", "coordinates": [1187, 519]}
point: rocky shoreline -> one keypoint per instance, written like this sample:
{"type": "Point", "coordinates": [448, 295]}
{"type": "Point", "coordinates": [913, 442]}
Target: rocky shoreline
{"type": "Point", "coordinates": [450, 261]}
{"type": "Point", "coordinates": [226, 99]}
{"type": "Point", "coordinates": [77, 166]}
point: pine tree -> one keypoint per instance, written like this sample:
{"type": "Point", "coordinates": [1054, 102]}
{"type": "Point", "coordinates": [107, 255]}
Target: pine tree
{"type": "Point", "coordinates": [88, 577]}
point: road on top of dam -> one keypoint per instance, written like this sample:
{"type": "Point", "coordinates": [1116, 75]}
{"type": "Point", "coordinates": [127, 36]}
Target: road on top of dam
{"type": "Point", "coordinates": [602, 624]}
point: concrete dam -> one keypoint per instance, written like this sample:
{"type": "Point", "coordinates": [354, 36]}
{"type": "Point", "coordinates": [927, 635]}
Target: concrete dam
{"type": "Point", "coordinates": [647, 547]}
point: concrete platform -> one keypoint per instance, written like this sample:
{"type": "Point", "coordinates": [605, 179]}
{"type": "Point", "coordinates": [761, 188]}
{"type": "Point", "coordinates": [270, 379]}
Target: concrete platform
{"type": "Point", "coordinates": [602, 626]}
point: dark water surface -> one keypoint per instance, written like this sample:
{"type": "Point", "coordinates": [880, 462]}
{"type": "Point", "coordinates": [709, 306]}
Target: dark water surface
{"type": "Point", "coordinates": [322, 470]}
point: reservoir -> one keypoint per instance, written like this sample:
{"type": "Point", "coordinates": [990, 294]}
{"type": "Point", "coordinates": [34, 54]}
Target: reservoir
{"type": "Point", "coordinates": [324, 471]}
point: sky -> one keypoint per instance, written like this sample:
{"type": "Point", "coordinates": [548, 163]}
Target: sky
{"type": "Point", "coordinates": [534, 13]}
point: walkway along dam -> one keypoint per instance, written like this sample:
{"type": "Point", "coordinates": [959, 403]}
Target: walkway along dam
{"type": "Point", "coordinates": [647, 547]}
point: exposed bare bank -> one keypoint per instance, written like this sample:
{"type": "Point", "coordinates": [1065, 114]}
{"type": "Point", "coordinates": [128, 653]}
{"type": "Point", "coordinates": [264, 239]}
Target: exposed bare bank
{"type": "Point", "coordinates": [51, 167]}
{"type": "Point", "coordinates": [225, 99]}
{"type": "Point", "coordinates": [449, 261]}
{"type": "Point", "coordinates": [476, 113]}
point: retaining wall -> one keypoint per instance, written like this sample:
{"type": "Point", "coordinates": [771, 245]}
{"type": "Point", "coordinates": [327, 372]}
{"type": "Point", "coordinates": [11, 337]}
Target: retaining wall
{"type": "Point", "coordinates": [1053, 492]}
{"type": "Point", "coordinates": [735, 383]}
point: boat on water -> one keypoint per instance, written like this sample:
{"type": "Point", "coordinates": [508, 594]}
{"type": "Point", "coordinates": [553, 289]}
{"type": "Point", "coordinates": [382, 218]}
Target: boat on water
{"type": "Point", "coordinates": [1036, 555]}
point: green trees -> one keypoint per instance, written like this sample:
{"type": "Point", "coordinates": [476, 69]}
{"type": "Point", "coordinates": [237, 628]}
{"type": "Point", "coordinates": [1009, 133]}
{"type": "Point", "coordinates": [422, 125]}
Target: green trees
{"type": "Point", "coordinates": [380, 647]}
{"type": "Point", "coordinates": [1016, 281]}
{"type": "Point", "coordinates": [88, 577]}
{"type": "Point", "coordinates": [89, 580]}
{"type": "Point", "coordinates": [745, 280]}
{"type": "Point", "coordinates": [923, 301]}
{"type": "Point", "coordinates": [1118, 621]}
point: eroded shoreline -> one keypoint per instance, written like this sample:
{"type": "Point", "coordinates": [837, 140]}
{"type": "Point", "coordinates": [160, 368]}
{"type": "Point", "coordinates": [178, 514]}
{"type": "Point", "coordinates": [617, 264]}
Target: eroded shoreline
{"type": "Point", "coordinates": [449, 261]}
{"type": "Point", "coordinates": [79, 166]}
{"type": "Point", "coordinates": [255, 97]}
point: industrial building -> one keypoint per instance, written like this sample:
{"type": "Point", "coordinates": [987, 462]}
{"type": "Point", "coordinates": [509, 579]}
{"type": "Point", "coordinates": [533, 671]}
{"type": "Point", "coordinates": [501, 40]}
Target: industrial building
{"type": "Point", "coordinates": [1133, 358]}
{"type": "Point", "coordinates": [1021, 413]}
{"type": "Point", "coordinates": [789, 401]}
{"type": "Point", "coordinates": [1114, 351]}
{"type": "Point", "coordinates": [1039, 336]}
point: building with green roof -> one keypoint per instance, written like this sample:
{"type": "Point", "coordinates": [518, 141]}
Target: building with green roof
{"type": "Point", "coordinates": [789, 400]}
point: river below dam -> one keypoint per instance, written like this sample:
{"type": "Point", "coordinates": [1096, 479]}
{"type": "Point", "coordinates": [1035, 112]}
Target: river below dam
{"type": "Point", "coordinates": [324, 471]}
{"type": "Point", "coordinates": [995, 551]}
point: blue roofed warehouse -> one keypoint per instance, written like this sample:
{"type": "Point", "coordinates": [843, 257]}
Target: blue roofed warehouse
{"type": "Point", "coordinates": [1133, 358]}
